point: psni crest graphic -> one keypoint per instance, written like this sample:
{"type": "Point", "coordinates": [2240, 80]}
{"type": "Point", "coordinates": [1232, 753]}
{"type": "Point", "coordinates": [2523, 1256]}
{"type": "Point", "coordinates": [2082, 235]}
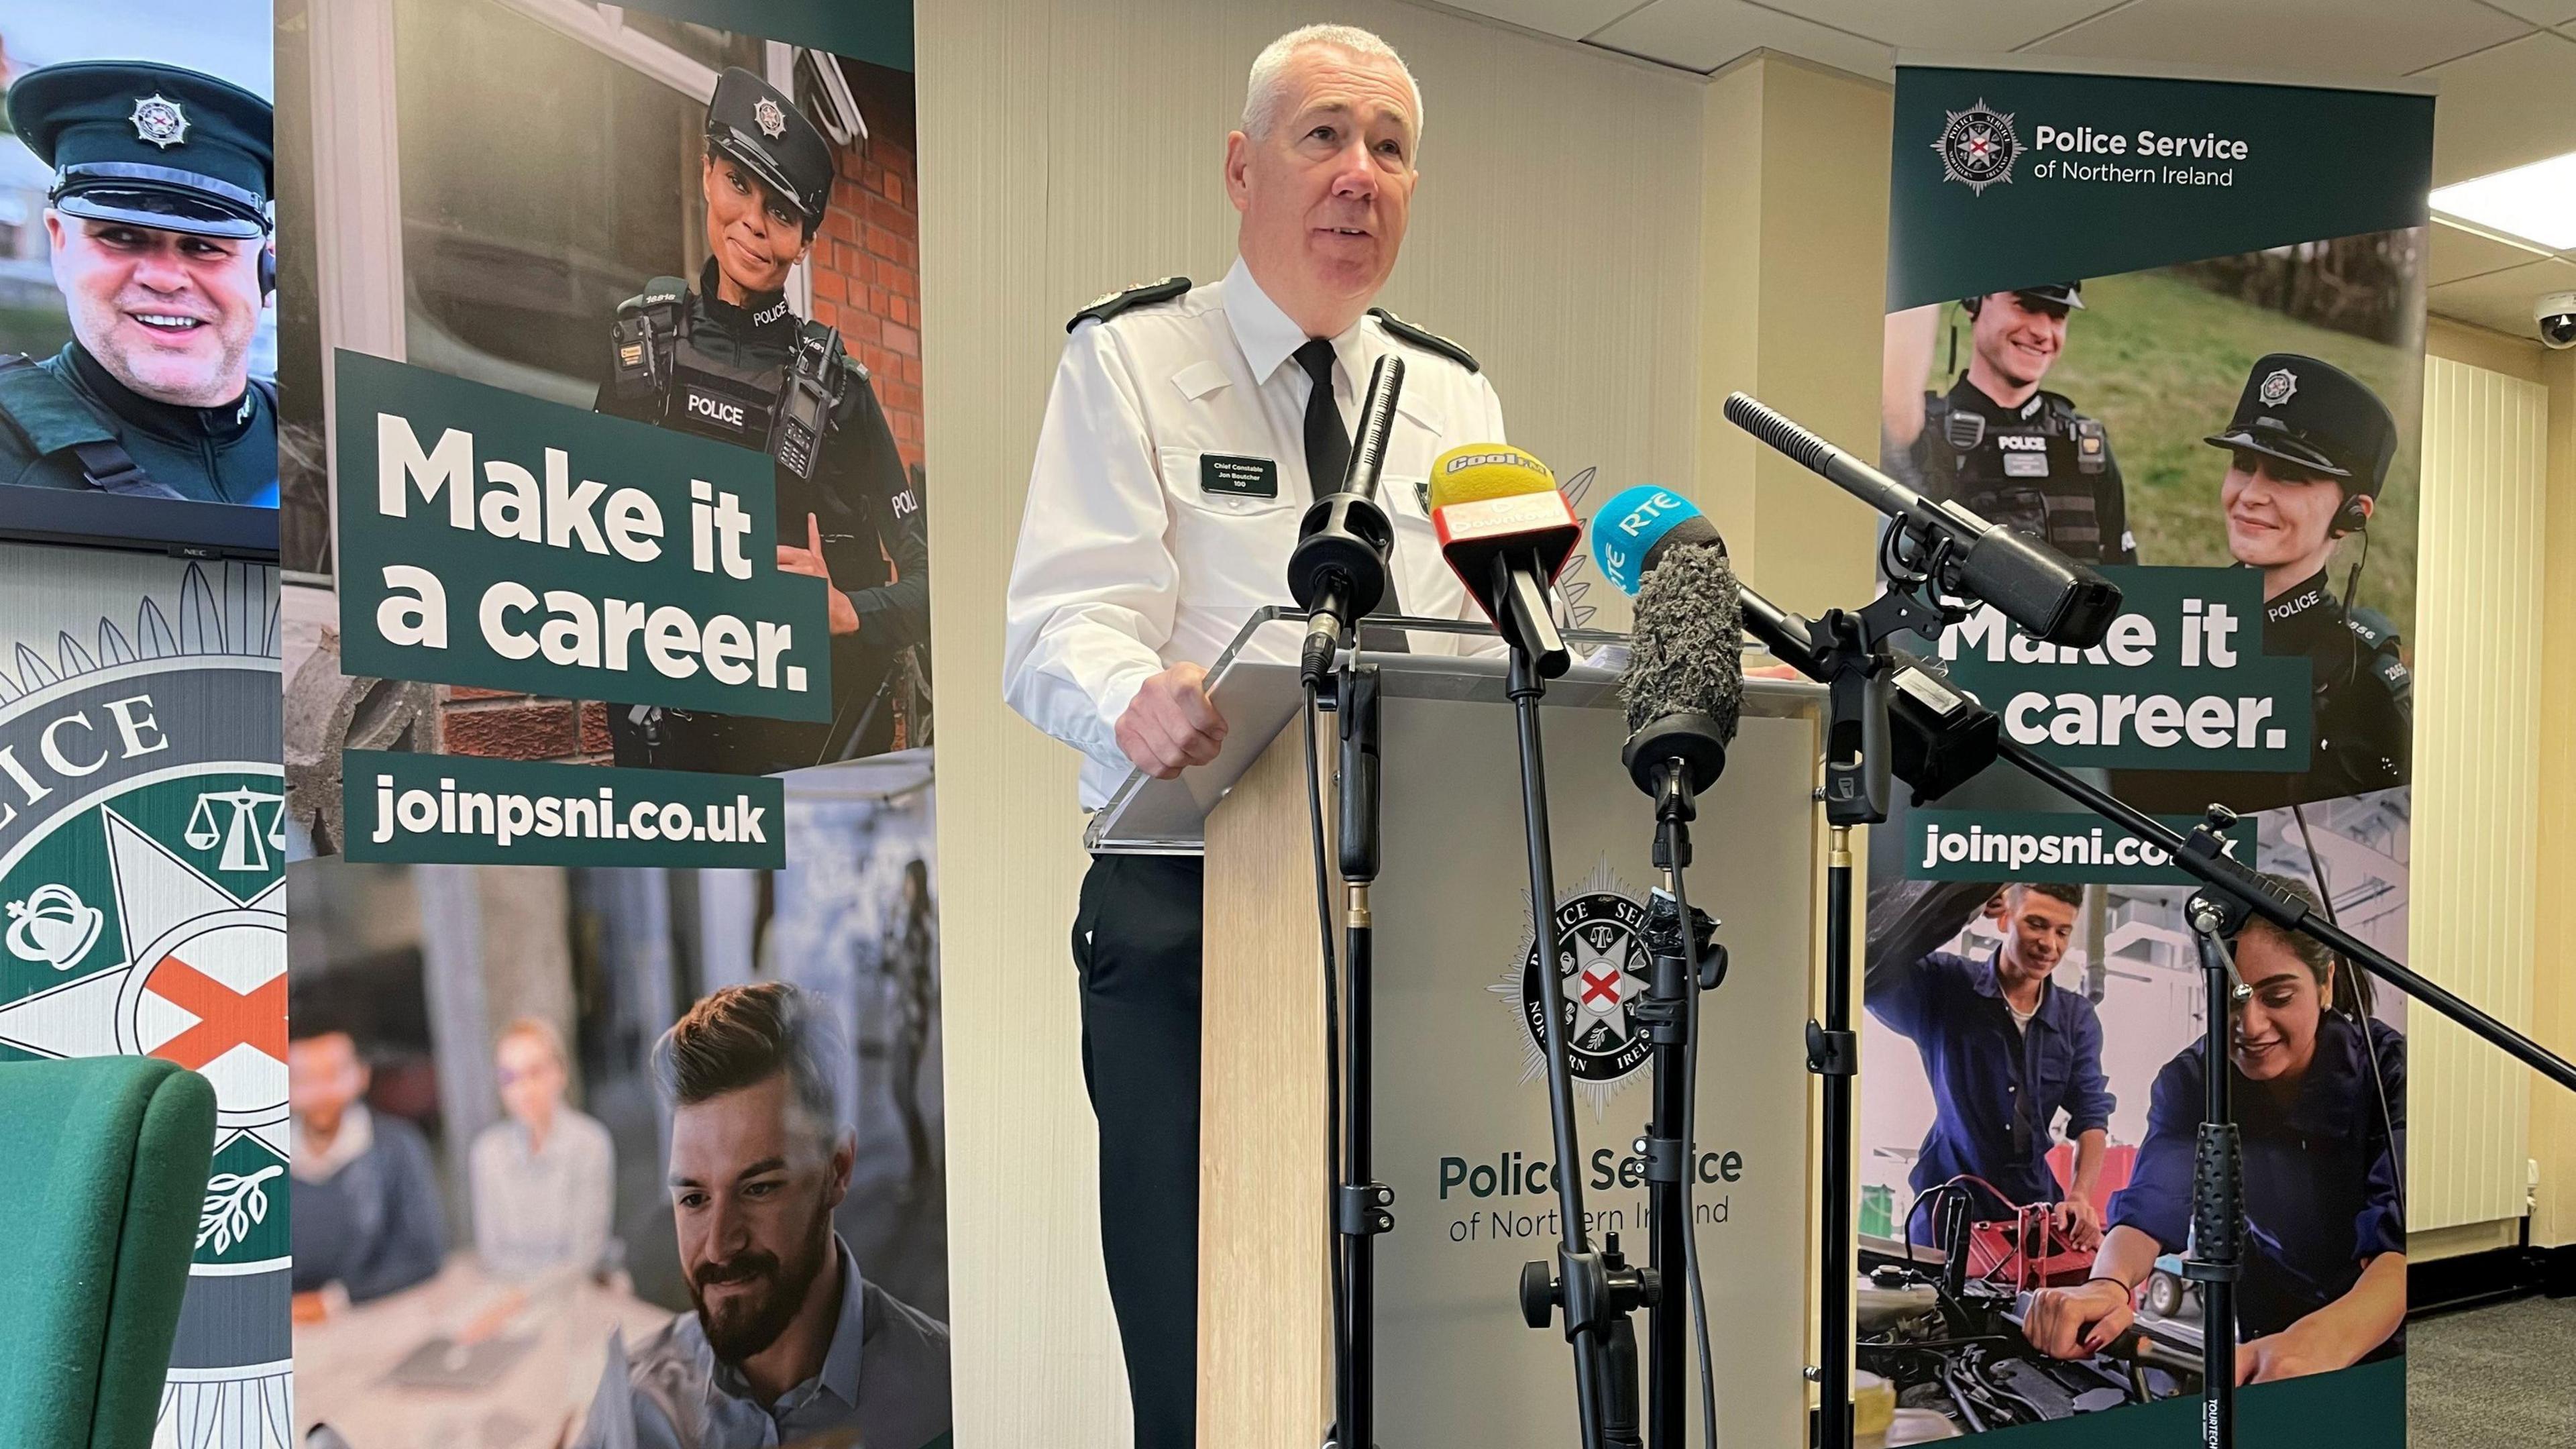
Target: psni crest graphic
{"type": "Point", "coordinates": [141, 875]}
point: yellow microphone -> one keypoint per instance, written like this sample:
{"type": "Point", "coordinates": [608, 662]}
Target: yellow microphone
{"type": "Point", "coordinates": [1506, 532]}
{"type": "Point", "coordinates": [1486, 470]}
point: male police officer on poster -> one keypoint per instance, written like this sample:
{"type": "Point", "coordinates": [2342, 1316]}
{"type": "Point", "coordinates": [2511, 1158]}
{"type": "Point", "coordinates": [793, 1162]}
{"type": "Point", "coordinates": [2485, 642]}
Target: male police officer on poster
{"type": "Point", "coordinates": [1187, 431]}
{"type": "Point", "coordinates": [729, 360]}
{"type": "Point", "coordinates": [159, 221]}
{"type": "Point", "coordinates": [1999, 444]}
{"type": "Point", "coordinates": [2309, 448]}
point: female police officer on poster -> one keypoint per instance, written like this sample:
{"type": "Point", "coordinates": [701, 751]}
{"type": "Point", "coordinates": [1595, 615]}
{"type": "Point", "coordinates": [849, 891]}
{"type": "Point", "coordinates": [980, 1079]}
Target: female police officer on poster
{"type": "Point", "coordinates": [2308, 451]}
{"type": "Point", "coordinates": [728, 360]}
{"type": "Point", "coordinates": [2321, 1096]}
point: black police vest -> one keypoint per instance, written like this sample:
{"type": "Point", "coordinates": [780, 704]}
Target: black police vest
{"type": "Point", "coordinates": [2037, 470]}
{"type": "Point", "coordinates": [2364, 695]}
{"type": "Point", "coordinates": [777, 401]}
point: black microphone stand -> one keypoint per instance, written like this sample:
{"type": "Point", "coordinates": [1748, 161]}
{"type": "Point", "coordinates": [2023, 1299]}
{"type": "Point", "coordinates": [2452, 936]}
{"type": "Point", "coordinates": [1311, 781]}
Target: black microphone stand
{"type": "Point", "coordinates": [1362, 1206]}
{"type": "Point", "coordinates": [1337, 574]}
{"type": "Point", "coordinates": [2216, 1259]}
{"type": "Point", "coordinates": [1672, 760]}
{"type": "Point", "coordinates": [1597, 1290]}
{"type": "Point", "coordinates": [1849, 655]}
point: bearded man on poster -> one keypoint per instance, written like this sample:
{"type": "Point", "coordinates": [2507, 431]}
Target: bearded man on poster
{"type": "Point", "coordinates": [787, 1342]}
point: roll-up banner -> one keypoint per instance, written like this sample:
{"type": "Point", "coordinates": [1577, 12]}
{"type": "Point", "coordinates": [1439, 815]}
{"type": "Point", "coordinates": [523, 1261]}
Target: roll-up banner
{"type": "Point", "coordinates": [2174, 327]}
{"type": "Point", "coordinates": [613, 993]}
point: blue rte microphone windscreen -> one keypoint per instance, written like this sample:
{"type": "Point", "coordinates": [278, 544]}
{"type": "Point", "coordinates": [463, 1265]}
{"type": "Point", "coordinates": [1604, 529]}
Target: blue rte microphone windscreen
{"type": "Point", "coordinates": [1634, 530]}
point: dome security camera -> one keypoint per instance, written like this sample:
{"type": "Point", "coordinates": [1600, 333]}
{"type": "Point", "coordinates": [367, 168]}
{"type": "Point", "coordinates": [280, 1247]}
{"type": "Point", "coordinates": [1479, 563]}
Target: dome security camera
{"type": "Point", "coordinates": [2556, 315]}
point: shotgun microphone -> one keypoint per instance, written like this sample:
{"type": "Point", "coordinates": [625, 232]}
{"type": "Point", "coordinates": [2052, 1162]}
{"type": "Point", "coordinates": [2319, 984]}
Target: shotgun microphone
{"type": "Point", "coordinates": [2034, 585]}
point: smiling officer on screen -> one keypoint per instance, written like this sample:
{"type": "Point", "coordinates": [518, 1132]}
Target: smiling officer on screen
{"type": "Point", "coordinates": [2308, 450]}
{"type": "Point", "coordinates": [158, 218]}
{"type": "Point", "coordinates": [2010, 451]}
{"type": "Point", "coordinates": [1187, 432]}
{"type": "Point", "coordinates": [729, 360]}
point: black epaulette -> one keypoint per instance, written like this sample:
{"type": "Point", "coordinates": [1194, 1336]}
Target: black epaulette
{"type": "Point", "coordinates": [1427, 341]}
{"type": "Point", "coordinates": [2375, 630]}
{"type": "Point", "coordinates": [1117, 302]}
{"type": "Point", "coordinates": [826, 341]}
{"type": "Point", "coordinates": [660, 294]}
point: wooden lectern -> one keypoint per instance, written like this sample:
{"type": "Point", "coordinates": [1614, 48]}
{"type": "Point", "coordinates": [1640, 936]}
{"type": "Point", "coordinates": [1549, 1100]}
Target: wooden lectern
{"type": "Point", "coordinates": [1461, 1115]}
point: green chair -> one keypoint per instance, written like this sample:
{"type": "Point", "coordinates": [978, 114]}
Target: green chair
{"type": "Point", "coordinates": [103, 1161]}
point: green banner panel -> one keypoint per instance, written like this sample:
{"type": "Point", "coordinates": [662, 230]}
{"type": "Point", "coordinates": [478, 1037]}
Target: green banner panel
{"type": "Point", "coordinates": [2007, 178]}
{"type": "Point", "coordinates": [504, 542]}
{"type": "Point", "coordinates": [463, 810]}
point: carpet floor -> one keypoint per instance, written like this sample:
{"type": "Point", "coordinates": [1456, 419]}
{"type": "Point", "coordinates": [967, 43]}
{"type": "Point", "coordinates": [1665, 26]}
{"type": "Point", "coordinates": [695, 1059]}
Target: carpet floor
{"type": "Point", "coordinates": [2492, 1377]}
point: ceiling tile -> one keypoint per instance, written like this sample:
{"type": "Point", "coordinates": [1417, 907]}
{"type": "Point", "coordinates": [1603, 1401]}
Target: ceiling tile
{"type": "Point", "coordinates": [1954, 26]}
{"type": "Point", "coordinates": [1703, 35]}
{"type": "Point", "coordinates": [2540, 12]}
{"type": "Point", "coordinates": [2502, 300]}
{"type": "Point", "coordinates": [2455, 253]}
{"type": "Point", "coordinates": [2504, 107]}
{"type": "Point", "coordinates": [2326, 37]}
{"type": "Point", "coordinates": [1571, 19]}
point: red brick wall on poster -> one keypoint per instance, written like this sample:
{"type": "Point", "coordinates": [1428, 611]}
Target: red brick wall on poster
{"type": "Point", "coordinates": [866, 268]}
{"type": "Point", "coordinates": [866, 274]}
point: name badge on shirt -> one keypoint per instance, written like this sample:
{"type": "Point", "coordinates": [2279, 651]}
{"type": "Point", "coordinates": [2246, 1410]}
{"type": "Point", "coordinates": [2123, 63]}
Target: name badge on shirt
{"type": "Point", "coordinates": [1240, 477]}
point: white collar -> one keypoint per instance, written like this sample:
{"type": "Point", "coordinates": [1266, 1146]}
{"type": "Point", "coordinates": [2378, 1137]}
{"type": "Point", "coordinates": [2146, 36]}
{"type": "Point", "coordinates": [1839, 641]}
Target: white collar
{"type": "Point", "coordinates": [1267, 335]}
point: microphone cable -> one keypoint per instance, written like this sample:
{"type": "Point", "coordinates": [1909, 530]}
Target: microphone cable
{"type": "Point", "coordinates": [1332, 1032]}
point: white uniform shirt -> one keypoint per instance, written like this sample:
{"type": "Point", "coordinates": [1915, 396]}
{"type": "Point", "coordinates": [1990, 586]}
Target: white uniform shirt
{"type": "Point", "coordinates": [1127, 564]}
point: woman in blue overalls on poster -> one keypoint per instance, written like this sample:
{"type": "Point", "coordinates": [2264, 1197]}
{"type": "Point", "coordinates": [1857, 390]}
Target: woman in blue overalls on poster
{"type": "Point", "coordinates": [2321, 1097]}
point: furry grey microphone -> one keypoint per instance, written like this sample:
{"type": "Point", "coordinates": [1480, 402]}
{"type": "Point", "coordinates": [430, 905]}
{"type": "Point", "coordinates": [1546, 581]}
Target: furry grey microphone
{"type": "Point", "coordinates": [1686, 653]}
{"type": "Point", "coordinates": [1684, 686]}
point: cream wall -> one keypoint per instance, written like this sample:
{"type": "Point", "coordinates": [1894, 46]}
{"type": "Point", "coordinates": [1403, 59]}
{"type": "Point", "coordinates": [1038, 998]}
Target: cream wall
{"type": "Point", "coordinates": [2476, 825]}
{"type": "Point", "coordinates": [1072, 148]}
{"type": "Point", "coordinates": [1792, 307]}
{"type": "Point", "coordinates": [2553, 1114]}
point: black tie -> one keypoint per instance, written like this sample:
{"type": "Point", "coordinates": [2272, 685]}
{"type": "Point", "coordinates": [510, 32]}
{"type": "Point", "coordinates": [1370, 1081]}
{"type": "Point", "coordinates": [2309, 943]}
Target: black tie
{"type": "Point", "coordinates": [1328, 443]}
{"type": "Point", "coordinates": [1328, 460]}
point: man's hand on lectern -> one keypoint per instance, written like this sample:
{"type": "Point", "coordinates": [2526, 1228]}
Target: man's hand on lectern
{"type": "Point", "coordinates": [1171, 724]}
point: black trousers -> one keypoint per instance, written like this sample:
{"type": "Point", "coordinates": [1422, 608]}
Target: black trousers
{"type": "Point", "coordinates": [1136, 942]}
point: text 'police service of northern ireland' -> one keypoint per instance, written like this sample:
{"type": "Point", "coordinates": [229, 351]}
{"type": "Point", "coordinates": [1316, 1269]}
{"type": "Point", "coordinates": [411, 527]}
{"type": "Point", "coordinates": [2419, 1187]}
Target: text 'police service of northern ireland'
{"type": "Point", "coordinates": [573, 629]}
{"type": "Point", "coordinates": [2060, 154]}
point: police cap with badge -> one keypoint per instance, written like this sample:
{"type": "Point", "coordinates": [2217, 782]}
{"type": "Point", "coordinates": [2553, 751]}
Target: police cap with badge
{"type": "Point", "coordinates": [758, 126]}
{"type": "Point", "coordinates": [150, 145]}
{"type": "Point", "coordinates": [2066, 295]}
{"type": "Point", "coordinates": [2319, 417]}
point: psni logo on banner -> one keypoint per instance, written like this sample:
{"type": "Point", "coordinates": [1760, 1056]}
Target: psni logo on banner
{"type": "Point", "coordinates": [1977, 147]}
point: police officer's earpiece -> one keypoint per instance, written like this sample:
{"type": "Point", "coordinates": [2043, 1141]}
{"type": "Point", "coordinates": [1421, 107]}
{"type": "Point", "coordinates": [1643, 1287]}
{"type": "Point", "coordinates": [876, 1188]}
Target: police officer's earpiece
{"type": "Point", "coordinates": [1971, 304]}
{"type": "Point", "coordinates": [267, 273]}
{"type": "Point", "coordinates": [2354, 516]}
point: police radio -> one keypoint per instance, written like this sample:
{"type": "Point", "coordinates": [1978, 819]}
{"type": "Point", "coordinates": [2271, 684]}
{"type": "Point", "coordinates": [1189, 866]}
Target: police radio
{"type": "Point", "coordinates": [641, 340]}
{"type": "Point", "coordinates": [805, 409]}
